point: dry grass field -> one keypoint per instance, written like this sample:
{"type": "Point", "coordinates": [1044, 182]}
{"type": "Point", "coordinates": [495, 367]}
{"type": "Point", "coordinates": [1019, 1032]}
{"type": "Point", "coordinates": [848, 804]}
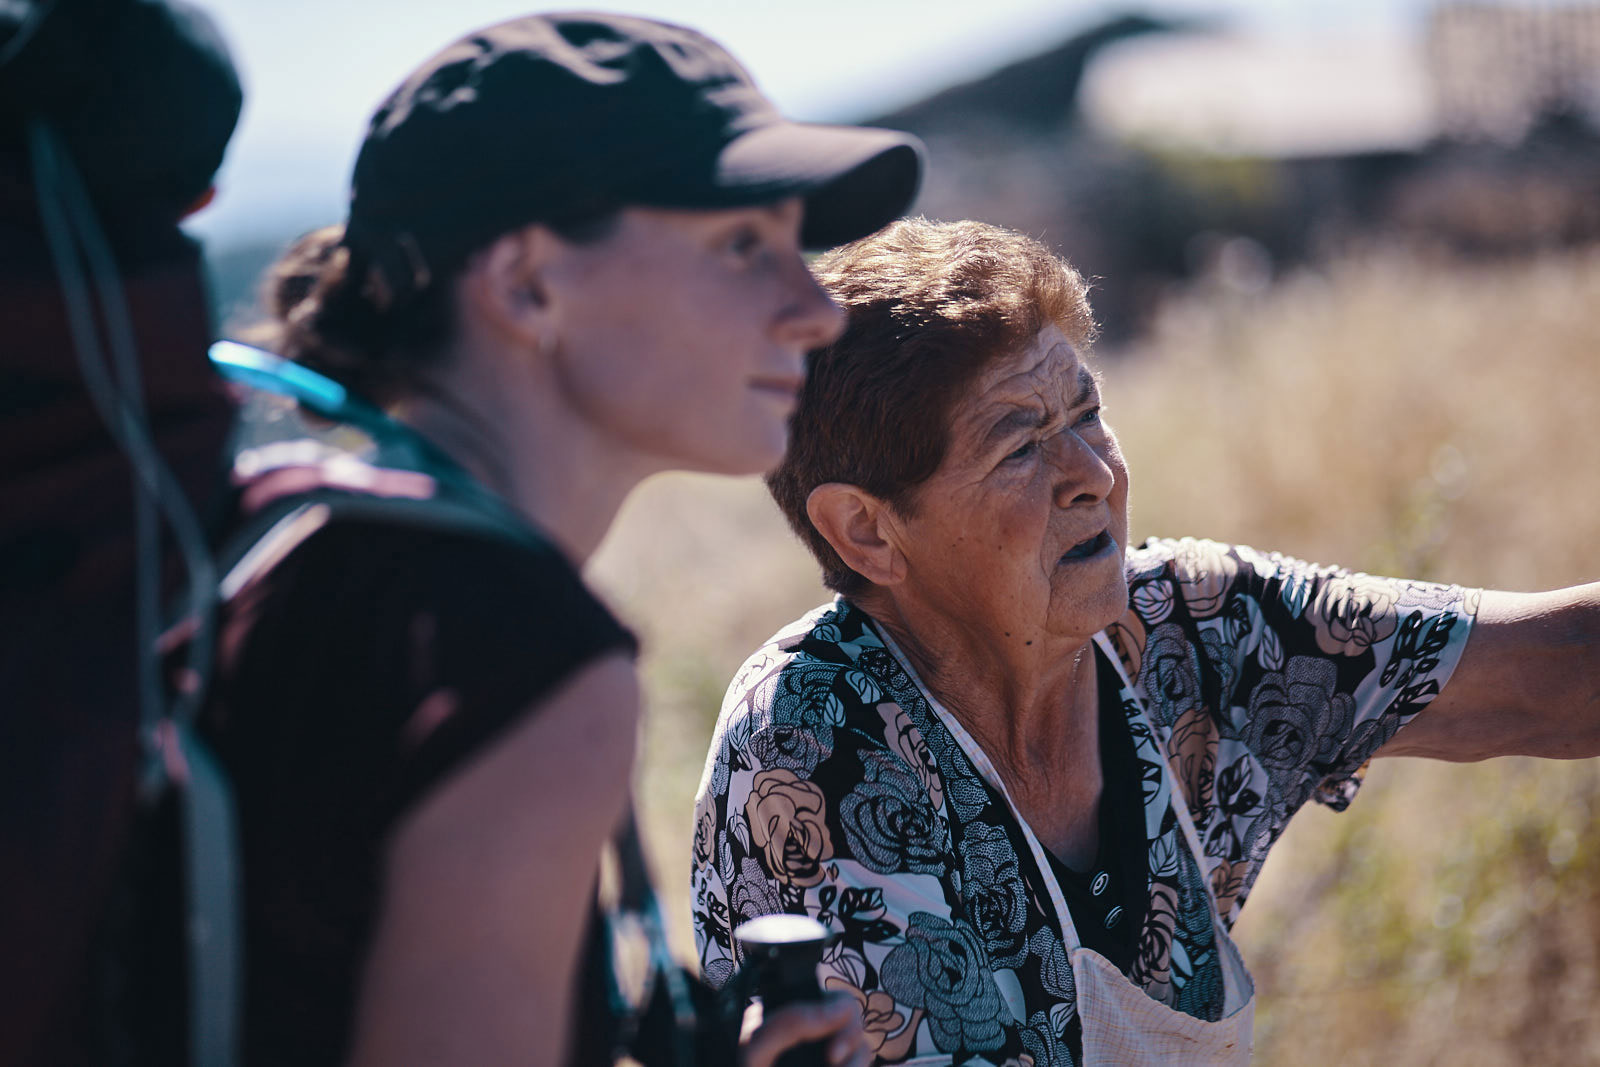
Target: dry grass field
{"type": "Point", "coordinates": [1396, 415]}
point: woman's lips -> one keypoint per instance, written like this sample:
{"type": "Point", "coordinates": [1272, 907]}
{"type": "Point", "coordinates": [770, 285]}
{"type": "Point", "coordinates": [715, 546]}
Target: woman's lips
{"type": "Point", "coordinates": [1094, 546]}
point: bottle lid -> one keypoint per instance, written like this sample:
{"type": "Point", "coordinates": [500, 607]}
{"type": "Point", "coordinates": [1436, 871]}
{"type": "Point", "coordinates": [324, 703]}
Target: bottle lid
{"type": "Point", "coordinates": [780, 930]}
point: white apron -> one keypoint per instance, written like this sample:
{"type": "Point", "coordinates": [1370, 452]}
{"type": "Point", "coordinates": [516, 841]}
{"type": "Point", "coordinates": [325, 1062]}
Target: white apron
{"type": "Point", "coordinates": [1122, 1024]}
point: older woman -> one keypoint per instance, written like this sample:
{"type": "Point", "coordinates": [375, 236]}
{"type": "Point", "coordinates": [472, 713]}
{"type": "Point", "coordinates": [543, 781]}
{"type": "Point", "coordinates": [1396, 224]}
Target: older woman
{"type": "Point", "coordinates": [1026, 773]}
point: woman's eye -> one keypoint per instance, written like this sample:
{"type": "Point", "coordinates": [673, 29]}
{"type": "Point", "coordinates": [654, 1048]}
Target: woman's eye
{"type": "Point", "coordinates": [1090, 417]}
{"type": "Point", "coordinates": [1024, 452]}
{"type": "Point", "coordinates": [743, 244]}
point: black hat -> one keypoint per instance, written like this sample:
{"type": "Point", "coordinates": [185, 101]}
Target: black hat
{"type": "Point", "coordinates": [565, 117]}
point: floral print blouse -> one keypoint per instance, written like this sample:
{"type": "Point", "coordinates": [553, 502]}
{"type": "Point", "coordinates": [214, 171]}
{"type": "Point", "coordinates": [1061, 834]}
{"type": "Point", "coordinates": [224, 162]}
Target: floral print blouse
{"type": "Point", "coordinates": [834, 789]}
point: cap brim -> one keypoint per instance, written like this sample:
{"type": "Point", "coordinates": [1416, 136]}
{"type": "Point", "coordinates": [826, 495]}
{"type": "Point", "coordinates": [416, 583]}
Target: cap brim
{"type": "Point", "coordinates": [855, 180]}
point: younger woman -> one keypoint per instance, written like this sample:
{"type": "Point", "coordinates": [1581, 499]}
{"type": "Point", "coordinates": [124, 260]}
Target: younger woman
{"type": "Point", "coordinates": [572, 259]}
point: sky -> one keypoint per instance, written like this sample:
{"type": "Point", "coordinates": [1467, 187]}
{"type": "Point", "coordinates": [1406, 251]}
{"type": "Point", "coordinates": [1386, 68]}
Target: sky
{"type": "Point", "coordinates": [315, 69]}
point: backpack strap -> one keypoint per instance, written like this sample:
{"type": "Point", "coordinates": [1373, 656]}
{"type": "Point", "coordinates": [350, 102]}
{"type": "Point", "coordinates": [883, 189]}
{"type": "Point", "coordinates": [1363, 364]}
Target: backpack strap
{"type": "Point", "coordinates": [212, 927]}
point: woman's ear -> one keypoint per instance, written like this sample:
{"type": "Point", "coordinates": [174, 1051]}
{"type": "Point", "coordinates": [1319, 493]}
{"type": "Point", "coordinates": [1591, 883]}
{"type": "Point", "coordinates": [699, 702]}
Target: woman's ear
{"type": "Point", "coordinates": [860, 528]}
{"type": "Point", "coordinates": [503, 286]}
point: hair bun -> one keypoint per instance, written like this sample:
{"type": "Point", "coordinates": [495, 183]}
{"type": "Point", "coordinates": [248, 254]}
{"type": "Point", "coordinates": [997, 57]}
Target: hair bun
{"type": "Point", "coordinates": [324, 313]}
{"type": "Point", "coordinates": [295, 277]}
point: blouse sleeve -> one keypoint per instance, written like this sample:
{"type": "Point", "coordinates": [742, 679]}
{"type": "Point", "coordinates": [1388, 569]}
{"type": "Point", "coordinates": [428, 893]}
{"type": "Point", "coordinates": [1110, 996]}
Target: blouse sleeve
{"type": "Point", "coordinates": [1312, 668]}
{"type": "Point", "coordinates": [816, 800]}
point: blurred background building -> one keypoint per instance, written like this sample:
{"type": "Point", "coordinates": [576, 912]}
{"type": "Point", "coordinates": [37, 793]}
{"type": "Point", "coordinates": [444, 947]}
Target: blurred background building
{"type": "Point", "coordinates": [1153, 151]}
{"type": "Point", "coordinates": [1158, 149]}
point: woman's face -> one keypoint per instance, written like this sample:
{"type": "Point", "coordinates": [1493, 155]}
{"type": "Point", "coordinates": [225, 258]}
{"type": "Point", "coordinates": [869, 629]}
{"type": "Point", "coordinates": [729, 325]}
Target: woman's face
{"type": "Point", "coordinates": [1020, 533]}
{"type": "Point", "coordinates": [681, 335]}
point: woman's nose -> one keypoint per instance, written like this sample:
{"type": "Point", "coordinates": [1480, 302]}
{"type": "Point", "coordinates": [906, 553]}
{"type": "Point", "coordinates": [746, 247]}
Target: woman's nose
{"type": "Point", "coordinates": [1085, 476]}
{"type": "Point", "coordinates": [810, 318]}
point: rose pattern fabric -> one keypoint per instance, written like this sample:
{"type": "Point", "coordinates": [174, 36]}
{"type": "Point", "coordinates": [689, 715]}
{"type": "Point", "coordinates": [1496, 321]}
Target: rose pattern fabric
{"type": "Point", "coordinates": [888, 1031]}
{"type": "Point", "coordinates": [1350, 614]}
{"type": "Point", "coordinates": [833, 789]}
{"type": "Point", "coordinates": [942, 969]}
{"type": "Point", "coordinates": [1297, 715]}
{"type": "Point", "coordinates": [705, 830]}
{"type": "Point", "coordinates": [751, 895]}
{"type": "Point", "coordinates": [1193, 754]}
{"type": "Point", "coordinates": [908, 744]}
{"type": "Point", "coordinates": [1152, 964]}
{"type": "Point", "coordinates": [1204, 571]}
{"type": "Point", "coordinates": [802, 736]}
{"type": "Point", "coordinates": [1170, 674]}
{"type": "Point", "coordinates": [1194, 964]}
{"type": "Point", "coordinates": [889, 824]}
{"type": "Point", "coordinates": [999, 908]}
{"type": "Point", "coordinates": [1045, 1047]}
{"type": "Point", "coordinates": [786, 819]}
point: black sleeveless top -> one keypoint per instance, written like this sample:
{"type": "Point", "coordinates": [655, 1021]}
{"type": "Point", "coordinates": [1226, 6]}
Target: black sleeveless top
{"type": "Point", "coordinates": [360, 662]}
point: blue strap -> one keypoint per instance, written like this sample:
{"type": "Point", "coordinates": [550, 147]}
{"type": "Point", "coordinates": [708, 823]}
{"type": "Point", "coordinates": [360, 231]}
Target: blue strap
{"type": "Point", "coordinates": [260, 369]}
{"type": "Point", "coordinates": [211, 878]}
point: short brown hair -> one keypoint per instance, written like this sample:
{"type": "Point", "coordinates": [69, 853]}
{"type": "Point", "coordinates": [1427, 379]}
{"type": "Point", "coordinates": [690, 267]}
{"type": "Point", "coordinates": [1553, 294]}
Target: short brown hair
{"type": "Point", "coordinates": [928, 306]}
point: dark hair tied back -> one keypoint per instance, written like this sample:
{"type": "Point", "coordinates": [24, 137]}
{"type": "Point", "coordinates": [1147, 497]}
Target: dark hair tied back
{"type": "Point", "coordinates": [331, 314]}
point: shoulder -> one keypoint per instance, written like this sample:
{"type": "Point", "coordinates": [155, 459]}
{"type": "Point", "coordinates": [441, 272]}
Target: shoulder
{"type": "Point", "coordinates": [1194, 558]}
{"type": "Point", "coordinates": [580, 741]}
{"type": "Point", "coordinates": [824, 662]}
{"type": "Point", "coordinates": [1181, 588]}
{"type": "Point", "coordinates": [1193, 562]}
{"type": "Point", "coordinates": [1208, 578]}
{"type": "Point", "coordinates": [820, 674]}
{"type": "Point", "coordinates": [406, 648]}
{"type": "Point", "coordinates": [328, 563]}
{"type": "Point", "coordinates": [364, 513]}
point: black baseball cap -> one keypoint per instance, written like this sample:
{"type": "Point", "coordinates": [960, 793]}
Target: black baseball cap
{"type": "Point", "coordinates": [560, 118]}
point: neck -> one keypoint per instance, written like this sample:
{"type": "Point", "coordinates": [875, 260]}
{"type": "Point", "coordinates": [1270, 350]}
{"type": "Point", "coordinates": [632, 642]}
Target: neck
{"type": "Point", "coordinates": [1030, 701]}
{"type": "Point", "coordinates": [521, 442]}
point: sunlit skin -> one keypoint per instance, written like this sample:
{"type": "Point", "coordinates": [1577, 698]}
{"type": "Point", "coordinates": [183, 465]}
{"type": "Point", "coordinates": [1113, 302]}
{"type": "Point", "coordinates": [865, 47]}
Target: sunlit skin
{"type": "Point", "coordinates": [1009, 562]}
{"type": "Point", "coordinates": [676, 341]}
{"type": "Point", "coordinates": [1033, 470]}
{"type": "Point", "coordinates": [682, 335]}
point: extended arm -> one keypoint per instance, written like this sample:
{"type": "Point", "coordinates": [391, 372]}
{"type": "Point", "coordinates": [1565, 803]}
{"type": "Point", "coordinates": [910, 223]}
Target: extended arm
{"type": "Point", "coordinates": [1528, 683]}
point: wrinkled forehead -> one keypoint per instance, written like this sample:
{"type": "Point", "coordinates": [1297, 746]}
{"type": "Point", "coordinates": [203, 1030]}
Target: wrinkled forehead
{"type": "Point", "coordinates": [1049, 373]}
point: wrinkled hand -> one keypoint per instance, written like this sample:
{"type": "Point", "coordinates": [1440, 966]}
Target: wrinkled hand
{"type": "Point", "coordinates": [835, 1019]}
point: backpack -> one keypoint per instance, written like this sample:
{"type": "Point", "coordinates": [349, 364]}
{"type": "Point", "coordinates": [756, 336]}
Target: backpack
{"type": "Point", "coordinates": [106, 415]}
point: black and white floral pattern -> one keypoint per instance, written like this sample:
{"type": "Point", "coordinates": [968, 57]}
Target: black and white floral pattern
{"type": "Point", "coordinates": [834, 789]}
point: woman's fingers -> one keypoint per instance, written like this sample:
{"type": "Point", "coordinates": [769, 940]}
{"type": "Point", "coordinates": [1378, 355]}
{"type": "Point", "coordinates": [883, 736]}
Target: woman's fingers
{"type": "Point", "coordinates": [849, 1046]}
{"type": "Point", "coordinates": [835, 1020]}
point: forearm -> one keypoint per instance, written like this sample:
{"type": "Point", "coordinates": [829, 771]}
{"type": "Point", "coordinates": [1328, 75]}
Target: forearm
{"type": "Point", "coordinates": [1528, 683]}
{"type": "Point", "coordinates": [1559, 672]}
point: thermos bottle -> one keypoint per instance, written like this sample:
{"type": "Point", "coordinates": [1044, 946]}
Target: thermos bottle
{"type": "Point", "coordinates": [782, 952]}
